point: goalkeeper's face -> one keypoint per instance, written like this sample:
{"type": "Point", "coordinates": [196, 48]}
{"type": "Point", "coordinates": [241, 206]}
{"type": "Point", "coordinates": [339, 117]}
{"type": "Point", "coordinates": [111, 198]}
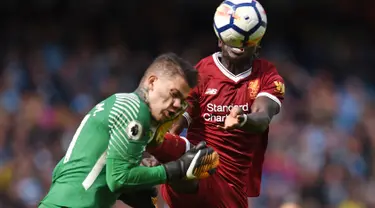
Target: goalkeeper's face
{"type": "Point", "coordinates": [167, 96]}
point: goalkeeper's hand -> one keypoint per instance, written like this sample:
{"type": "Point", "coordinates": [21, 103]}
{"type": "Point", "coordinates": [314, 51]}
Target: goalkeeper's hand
{"type": "Point", "coordinates": [140, 199]}
{"type": "Point", "coordinates": [197, 163]}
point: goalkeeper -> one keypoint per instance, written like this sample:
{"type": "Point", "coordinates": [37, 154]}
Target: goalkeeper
{"type": "Point", "coordinates": [103, 159]}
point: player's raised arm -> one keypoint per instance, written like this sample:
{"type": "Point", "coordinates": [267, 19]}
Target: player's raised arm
{"type": "Point", "coordinates": [265, 106]}
{"type": "Point", "coordinates": [267, 103]}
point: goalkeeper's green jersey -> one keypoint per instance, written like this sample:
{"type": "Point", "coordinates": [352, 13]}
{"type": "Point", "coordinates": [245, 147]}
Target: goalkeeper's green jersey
{"type": "Point", "coordinates": [103, 158]}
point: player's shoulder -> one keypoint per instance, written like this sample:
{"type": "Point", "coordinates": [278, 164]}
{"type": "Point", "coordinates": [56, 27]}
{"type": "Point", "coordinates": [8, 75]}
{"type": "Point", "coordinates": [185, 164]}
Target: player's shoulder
{"type": "Point", "coordinates": [130, 105]}
{"type": "Point", "coordinates": [125, 97]}
{"type": "Point", "coordinates": [203, 65]}
{"type": "Point", "coordinates": [208, 67]}
{"type": "Point", "coordinates": [208, 64]}
{"type": "Point", "coordinates": [130, 112]}
{"type": "Point", "coordinates": [264, 67]}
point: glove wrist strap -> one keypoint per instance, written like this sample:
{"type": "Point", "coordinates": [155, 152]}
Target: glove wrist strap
{"type": "Point", "coordinates": [173, 171]}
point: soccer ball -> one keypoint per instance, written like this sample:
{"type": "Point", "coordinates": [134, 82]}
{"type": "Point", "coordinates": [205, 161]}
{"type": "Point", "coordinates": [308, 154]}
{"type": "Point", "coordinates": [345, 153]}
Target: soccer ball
{"type": "Point", "coordinates": [240, 23]}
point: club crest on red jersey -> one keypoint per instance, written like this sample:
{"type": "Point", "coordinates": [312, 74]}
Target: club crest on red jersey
{"type": "Point", "coordinates": [280, 87]}
{"type": "Point", "coordinates": [253, 88]}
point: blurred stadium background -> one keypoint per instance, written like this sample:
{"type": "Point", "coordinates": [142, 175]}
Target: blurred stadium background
{"type": "Point", "coordinates": [58, 58]}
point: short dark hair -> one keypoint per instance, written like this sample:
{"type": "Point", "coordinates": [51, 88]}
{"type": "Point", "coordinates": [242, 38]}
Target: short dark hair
{"type": "Point", "coordinates": [171, 64]}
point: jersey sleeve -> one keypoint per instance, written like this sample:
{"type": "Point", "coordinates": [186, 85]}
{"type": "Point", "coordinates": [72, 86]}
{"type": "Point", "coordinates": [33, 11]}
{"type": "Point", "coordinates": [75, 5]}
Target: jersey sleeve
{"type": "Point", "coordinates": [192, 111]}
{"type": "Point", "coordinates": [272, 85]}
{"type": "Point", "coordinates": [126, 146]}
{"type": "Point", "coordinates": [172, 148]}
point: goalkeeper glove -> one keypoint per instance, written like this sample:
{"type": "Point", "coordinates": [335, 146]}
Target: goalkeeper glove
{"type": "Point", "coordinates": [197, 163]}
{"type": "Point", "coordinates": [140, 199]}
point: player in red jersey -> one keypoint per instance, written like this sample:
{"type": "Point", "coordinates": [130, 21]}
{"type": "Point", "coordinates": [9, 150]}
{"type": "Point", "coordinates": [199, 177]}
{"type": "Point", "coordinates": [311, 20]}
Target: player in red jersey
{"type": "Point", "coordinates": [230, 109]}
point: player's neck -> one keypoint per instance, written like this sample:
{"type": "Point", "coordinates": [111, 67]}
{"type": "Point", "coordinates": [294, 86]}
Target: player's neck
{"type": "Point", "coordinates": [236, 68]}
{"type": "Point", "coordinates": [142, 93]}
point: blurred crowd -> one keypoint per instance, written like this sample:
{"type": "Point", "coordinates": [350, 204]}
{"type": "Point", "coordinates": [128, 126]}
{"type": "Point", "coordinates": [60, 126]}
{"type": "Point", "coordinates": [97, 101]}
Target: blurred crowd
{"type": "Point", "coordinates": [58, 61]}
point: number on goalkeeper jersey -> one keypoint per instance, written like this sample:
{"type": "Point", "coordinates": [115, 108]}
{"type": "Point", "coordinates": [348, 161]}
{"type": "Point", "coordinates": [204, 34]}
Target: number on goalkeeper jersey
{"type": "Point", "coordinates": [75, 137]}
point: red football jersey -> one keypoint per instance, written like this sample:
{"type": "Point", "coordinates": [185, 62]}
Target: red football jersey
{"type": "Point", "coordinates": [241, 153]}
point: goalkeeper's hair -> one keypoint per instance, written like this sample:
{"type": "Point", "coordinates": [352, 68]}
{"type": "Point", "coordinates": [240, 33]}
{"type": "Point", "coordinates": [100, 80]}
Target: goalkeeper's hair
{"type": "Point", "coordinates": [170, 65]}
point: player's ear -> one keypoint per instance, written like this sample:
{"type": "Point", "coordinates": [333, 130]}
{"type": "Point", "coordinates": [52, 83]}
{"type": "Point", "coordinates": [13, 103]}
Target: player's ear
{"type": "Point", "coordinates": [220, 43]}
{"type": "Point", "coordinates": [151, 82]}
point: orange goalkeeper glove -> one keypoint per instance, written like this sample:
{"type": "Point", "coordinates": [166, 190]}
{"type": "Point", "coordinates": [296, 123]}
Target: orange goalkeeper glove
{"type": "Point", "coordinates": [197, 163]}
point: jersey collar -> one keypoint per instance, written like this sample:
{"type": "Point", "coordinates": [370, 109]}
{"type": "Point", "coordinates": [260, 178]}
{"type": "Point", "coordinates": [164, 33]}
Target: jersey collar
{"type": "Point", "coordinates": [226, 72]}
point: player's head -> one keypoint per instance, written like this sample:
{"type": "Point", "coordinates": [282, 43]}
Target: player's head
{"type": "Point", "coordinates": [240, 26]}
{"type": "Point", "coordinates": [167, 83]}
{"type": "Point", "coordinates": [239, 55]}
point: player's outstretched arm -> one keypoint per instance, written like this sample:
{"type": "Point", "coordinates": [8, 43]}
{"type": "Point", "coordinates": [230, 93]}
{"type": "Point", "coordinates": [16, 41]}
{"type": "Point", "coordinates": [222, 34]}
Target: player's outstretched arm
{"type": "Point", "coordinates": [255, 122]}
{"type": "Point", "coordinates": [267, 103]}
{"type": "Point", "coordinates": [265, 106]}
{"type": "Point", "coordinates": [263, 110]}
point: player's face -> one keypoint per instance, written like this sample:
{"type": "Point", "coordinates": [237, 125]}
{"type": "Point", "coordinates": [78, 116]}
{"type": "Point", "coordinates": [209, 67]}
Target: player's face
{"type": "Point", "coordinates": [237, 54]}
{"type": "Point", "coordinates": [167, 97]}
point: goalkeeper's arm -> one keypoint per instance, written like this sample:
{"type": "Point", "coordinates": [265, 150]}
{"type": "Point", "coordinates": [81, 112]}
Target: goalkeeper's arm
{"type": "Point", "coordinates": [123, 175]}
{"type": "Point", "coordinates": [123, 171]}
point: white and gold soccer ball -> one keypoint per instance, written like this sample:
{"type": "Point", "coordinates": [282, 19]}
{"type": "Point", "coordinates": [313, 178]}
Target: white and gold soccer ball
{"type": "Point", "coordinates": [240, 23]}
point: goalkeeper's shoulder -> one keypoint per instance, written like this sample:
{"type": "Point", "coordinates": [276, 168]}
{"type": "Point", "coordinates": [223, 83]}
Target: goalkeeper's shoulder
{"type": "Point", "coordinates": [120, 109]}
{"type": "Point", "coordinates": [122, 98]}
{"type": "Point", "coordinates": [127, 109]}
{"type": "Point", "coordinates": [129, 104]}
